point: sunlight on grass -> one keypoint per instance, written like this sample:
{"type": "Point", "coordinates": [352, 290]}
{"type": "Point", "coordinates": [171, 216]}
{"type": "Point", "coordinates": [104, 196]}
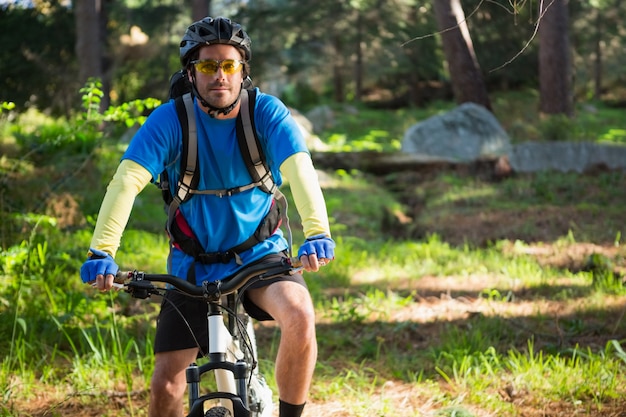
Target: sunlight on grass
{"type": "Point", "coordinates": [614, 136]}
{"type": "Point", "coordinates": [462, 190]}
{"type": "Point", "coordinates": [579, 376]}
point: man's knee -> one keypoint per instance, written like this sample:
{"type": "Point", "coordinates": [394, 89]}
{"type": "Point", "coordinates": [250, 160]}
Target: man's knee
{"type": "Point", "coordinates": [165, 385]}
{"type": "Point", "coordinates": [299, 321]}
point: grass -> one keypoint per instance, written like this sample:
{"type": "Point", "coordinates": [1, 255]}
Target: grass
{"type": "Point", "coordinates": [365, 129]}
{"type": "Point", "coordinates": [491, 299]}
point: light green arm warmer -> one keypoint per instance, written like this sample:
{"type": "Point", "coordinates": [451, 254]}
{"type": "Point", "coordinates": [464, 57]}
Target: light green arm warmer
{"type": "Point", "coordinates": [117, 204]}
{"type": "Point", "coordinates": [307, 194]}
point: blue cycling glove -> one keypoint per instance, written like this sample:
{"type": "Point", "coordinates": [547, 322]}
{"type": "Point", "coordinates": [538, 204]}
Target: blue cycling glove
{"type": "Point", "coordinates": [99, 263]}
{"type": "Point", "coordinates": [320, 245]}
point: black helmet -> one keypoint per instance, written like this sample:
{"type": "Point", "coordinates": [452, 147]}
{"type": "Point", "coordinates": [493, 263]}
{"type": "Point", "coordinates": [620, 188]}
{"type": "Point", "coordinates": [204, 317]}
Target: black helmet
{"type": "Point", "coordinates": [210, 31]}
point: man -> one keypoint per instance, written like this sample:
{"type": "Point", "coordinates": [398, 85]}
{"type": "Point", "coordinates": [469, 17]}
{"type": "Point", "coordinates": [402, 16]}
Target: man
{"type": "Point", "coordinates": [216, 54]}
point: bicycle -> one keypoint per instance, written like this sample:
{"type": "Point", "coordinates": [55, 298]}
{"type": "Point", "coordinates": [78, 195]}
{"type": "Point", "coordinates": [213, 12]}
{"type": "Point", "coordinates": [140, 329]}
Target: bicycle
{"type": "Point", "coordinates": [232, 356]}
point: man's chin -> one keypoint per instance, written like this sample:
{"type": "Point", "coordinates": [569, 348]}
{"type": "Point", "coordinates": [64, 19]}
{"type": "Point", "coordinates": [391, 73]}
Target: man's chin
{"type": "Point", "coordinates": [220, 99]}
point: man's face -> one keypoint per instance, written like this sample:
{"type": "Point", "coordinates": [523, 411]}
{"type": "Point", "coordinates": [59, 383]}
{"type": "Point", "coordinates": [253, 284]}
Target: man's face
{"type": "Point", "coordinates": [220, 89]}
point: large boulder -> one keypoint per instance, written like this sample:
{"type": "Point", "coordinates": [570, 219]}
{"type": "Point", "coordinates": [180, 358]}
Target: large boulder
{"type": "Point", "coordinates": [467, 133]}
{"type": "Point", "coordinates": [321, 118]}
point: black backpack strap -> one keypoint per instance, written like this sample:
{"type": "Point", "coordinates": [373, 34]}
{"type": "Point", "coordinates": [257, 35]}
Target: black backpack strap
{"type": "Point", "coordinates": [248, 140]}
{"type": "Point", "coordinates": [255, 158]}
{"type": "Point", "coordinates": [189, 176]}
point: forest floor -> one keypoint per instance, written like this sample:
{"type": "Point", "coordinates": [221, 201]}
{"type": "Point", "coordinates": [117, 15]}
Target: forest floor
{"type": "Point", "coordinates": [435, 306]}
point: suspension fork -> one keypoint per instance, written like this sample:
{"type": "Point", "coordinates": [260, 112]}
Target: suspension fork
{"type": "Point", "coordinates": [230, 372]}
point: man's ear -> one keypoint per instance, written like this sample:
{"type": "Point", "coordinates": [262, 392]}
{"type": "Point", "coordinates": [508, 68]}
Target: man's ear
{"type": "Point", "coordinates": [246, 70]}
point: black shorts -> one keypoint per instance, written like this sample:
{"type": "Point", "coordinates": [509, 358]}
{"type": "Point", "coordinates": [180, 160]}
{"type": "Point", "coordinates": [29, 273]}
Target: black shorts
{"type": "Point", "coordinates": [182, 322]}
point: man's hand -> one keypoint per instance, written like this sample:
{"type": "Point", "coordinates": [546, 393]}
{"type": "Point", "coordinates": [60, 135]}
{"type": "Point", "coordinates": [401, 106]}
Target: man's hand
{"type": "Point", "coordinates": [316, 251]}
{"type": "Point", "coordinates": [99, 270]}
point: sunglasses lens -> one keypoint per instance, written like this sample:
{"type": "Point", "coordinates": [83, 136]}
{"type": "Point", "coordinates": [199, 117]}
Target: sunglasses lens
{"type": "Point", "coordinates": [207, 67]}
{"type": "Point", "coordinates": [230, 66]}
{"type": "Point", "coordinates": [210, 66]}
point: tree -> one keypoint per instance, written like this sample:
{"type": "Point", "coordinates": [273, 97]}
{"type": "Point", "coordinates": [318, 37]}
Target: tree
{"type": "Point", "coordinates": [555, 63]}
{"type": "Point", "coordinates": [200, 9]}
{"type": "Point", "coordinates": [597, 38]}
{"type": "Point", "coordinates": [90, 22]}
{"type": "Point", "coordinates": [37, 61]}
{"type": "Point", "coordinates": [465, 75]}
{"type": "Point", "coordinates": [386, 53]}
{"type": "Point", "coordinates": [88, 46]}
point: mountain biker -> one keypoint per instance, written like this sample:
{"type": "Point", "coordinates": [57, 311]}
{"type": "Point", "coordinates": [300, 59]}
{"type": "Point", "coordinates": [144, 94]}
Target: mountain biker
{"type": "Point", "coordinates": [215, 53]}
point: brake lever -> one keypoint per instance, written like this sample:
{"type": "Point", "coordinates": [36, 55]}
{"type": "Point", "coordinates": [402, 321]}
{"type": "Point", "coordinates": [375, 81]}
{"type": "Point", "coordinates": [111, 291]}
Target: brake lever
{"type": "Point", "coordinates": [116, 285]}
{"type": "Point", "coordinates": [141, 289]}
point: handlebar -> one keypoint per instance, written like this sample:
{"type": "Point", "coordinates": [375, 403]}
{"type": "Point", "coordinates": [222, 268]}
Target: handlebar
{"type": "Point", "coordinates": [139, 284]}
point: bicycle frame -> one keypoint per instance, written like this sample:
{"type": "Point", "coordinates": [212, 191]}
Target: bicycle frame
{"type": "Point", "coordinates": [226, 357]}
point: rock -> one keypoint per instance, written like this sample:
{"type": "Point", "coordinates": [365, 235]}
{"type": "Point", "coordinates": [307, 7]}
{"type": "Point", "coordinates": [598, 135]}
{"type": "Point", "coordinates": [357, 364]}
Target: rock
{"type": "Point", "coordinates": [566, 156]}
{"type": "Point", "coordinates": [313, 142]}
{"type": "Point", "coordinates": [469, 132]}
{"type": "Point", "coordinates": [321, 117]}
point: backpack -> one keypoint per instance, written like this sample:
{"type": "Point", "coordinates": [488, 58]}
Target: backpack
{"type": "Point", "coordinates": [181, 235]}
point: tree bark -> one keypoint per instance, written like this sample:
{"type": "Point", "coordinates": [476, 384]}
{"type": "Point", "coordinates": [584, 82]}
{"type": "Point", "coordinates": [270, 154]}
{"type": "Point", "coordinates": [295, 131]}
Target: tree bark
{"type": "Point", "coordinates": [383, 163]}
{"type": "Point", "coordinates": [338, 91]}
{"type": "Point", "coordinates": [555, 63]}
{"type": "Point", "coordinates": [358, 68]}
{"type": "Point", "coordinates": [105, 55]}
{"type": "Point", "coordinates": [88, 39]}
{"type": "Point", "coordinates": [465, 75]}
{"type": "Point", "coordinates": [200, 9]}
{"type": "Point", "coordinates": [597, 61]}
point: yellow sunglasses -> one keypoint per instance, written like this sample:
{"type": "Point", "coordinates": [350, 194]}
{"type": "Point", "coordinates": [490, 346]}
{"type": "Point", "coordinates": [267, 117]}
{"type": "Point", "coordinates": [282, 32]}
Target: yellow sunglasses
{"type": "Point", "coordinates": [210, 66]}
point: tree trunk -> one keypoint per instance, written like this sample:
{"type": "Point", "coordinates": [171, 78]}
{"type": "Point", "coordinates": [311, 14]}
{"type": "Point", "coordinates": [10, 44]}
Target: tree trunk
{"type": "Point", "coordinates": [555, 64]}
{"type": "Point", "coordinates": [88, 39]}
{"type": "Point", "coordinates": [338, 92]}
{"type": "Point", "coordinates": [384, 163]}
{"type": "Point", "coordinates": [358, 70]}
{"type": "Point", "coordinates": [597, 62]}
{"type": "Point", "coordinates": [105, 59]}
{"type": "Point", "coordinates": [465, 75]}
{"type": "Point", "coordinates": [200, 9]}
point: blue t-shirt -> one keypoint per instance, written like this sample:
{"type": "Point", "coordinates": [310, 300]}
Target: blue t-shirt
{"type": "Point", "coordinates": [219, 223]}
